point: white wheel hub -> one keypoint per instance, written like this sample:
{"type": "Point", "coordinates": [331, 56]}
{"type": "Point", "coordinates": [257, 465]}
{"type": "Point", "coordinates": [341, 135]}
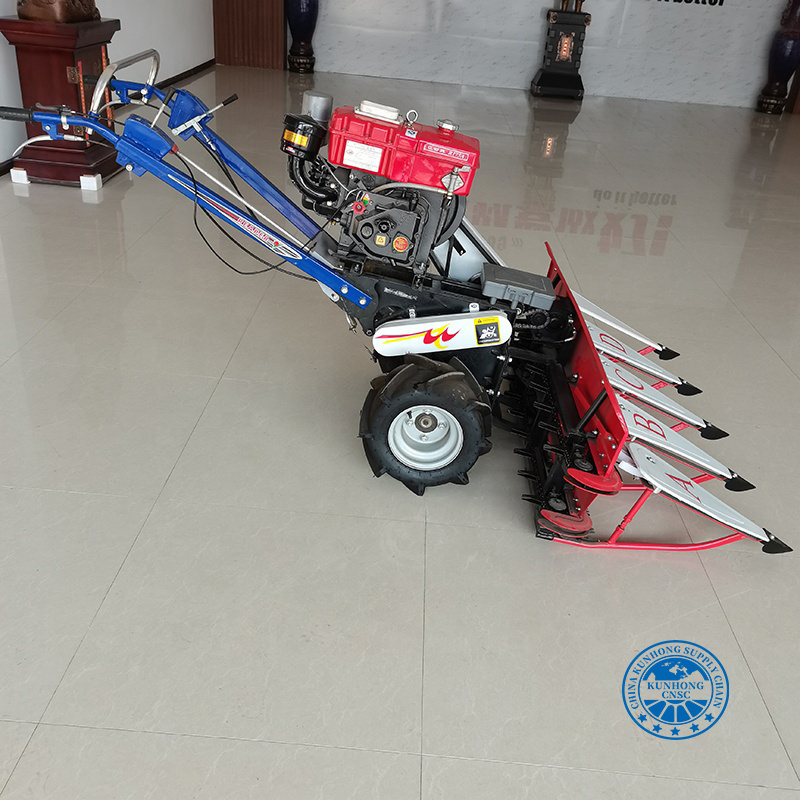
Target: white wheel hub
{"type": "Point", "coordinates": [425, 437]}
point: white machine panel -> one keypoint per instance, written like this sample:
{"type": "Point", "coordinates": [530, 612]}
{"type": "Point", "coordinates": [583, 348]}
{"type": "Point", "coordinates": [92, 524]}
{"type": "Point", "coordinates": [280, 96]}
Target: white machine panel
{"type": "Point", "coordinates": [595, 312]}
{"type": "Point", "coordinates": [663, 477]}
{"type": "Point", "coordinates": [446, 332]}
{"type": "Point", "coordinates": [643, 427]}
{"type": "Point", "coordinates": [627, 383]}
{"type": "Point", "coordinates": [613, 348]}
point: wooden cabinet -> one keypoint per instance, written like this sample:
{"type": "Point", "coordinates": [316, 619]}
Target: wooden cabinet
{"type": "Point", "coordinates": [53, 58]}
{"type": "Point", "coordinates": [250, 33]}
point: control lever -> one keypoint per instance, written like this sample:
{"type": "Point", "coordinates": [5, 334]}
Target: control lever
{"type": "Point", "coordinates": [195, 121]}
{"type": "Point", "coordinates": [164, 106]}
{"type": "Point", "coordinates": [54, 109]}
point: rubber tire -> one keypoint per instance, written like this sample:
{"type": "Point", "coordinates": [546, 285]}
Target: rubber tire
{"type": "Point", "coordinates": [419, 385]}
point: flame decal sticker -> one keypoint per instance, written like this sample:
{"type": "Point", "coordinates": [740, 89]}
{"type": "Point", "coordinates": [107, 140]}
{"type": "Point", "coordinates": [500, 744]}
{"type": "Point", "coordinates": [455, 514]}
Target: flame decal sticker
{"type": "Point", "coordinates": [435, 336]}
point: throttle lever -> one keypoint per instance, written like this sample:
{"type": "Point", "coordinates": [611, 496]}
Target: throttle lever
{"type": "Point", "coordinates": [62, 109]}
{"type": "Point", "coordinates": [195, 121]}
{"type": "Point", "coordinates": [164, 105]}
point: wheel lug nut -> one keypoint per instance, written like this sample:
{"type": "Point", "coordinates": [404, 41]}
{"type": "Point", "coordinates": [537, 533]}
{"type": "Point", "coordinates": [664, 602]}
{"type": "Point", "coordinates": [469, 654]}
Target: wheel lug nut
{"type": "Point", "coordinates": [423, 438]}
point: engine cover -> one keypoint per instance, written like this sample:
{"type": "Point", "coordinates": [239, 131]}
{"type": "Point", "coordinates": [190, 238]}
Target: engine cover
{"type": "Point", "coordinates": [402, 152]}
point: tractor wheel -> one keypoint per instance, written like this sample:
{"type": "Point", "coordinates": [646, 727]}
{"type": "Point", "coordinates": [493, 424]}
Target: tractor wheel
{"type": "Point", "coordinates": [426, 423]}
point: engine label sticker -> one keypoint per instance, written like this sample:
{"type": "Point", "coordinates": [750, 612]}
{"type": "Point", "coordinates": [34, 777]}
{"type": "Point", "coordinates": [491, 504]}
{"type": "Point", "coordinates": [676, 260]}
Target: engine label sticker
{"type": "Point", "coordinates": [487, 330]}
{"type": "Point", "coordinates": [448, 152]}
{"type": "Point", "coordinates": [675, 689]}
{"type": "Point", "coordinates": [362, 156]}
{"type": "Point", "coordinates": [295, 138]}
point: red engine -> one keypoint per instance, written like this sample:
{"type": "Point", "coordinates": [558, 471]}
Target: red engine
{"type": "Point", "coordinates": [397, 188]}
{"type": "Point", "coordinates": [402, 152]}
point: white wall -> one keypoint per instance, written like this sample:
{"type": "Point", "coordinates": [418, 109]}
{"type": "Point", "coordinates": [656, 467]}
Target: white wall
{"type": "Point", "coordinates": [651, 49]}
{"type": "Point", "coordinates": [11, 133]}
{"type": "Point", "coordinates": [181, 30]}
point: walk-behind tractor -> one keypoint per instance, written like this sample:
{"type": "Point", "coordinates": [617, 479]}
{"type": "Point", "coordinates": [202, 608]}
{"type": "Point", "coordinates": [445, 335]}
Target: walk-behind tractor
{"type": "Point", "coordinates": [464, 342]}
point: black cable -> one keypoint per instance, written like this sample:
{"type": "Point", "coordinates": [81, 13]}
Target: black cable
{"type": "Point", "coordinates": [269, 267]}
{"type": "Point", "coordinates": [224, 167]}
{"type": "Point", "coordinates": [254, 256]}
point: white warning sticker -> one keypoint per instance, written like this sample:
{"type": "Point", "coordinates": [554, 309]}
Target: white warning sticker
{"type": "Point", "coordinates": [362, 156]}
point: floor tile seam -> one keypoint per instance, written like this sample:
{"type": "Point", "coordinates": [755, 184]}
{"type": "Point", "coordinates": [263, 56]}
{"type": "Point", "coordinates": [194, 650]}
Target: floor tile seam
{"type": "Point", "coordinates": [754, 553]}
{"type": "Point", "coordinates": [18, 351]}
{"type": "Point", "coordinates": [715, 603]}
{"type": "Point", "coordinates": [601, 149]}
{"type": "Point", "coordinates": [510, 130]}
{"type": "Point", "coordinates": [228, 738]}
{"type": "Point", "coordinates": [10, 211]}
{"type": "Point", "coordinates": [40, 282]}
{"type": "Point", "coordinates": [35, 487]}
{"type": "Point", "coordinates": [575, 280]}
{"type": "Point", "coordinates": [699, 265]}
{"type": "Point", "coordinates": [202, 413]}
{"type": "Point", "coordinates": [208, 402]}
{"type": "Point", "coordinates": [744, 316]}
{"type": "Point", "coordinates": [591, 770]}
{"type": "Point", "coordinates": [144, 233]}
{"type": "Point", "coordinates": [262, 300]}
{"type": "Point", "coordinates": [70, 362]}
{"type": "Point", "coordinates": [76, 226]}
{"type": "Point", "coordinates": [711, 175]}
{"type": "Point", "coordinates": [19, 759]}
{"type": "Point", "coordinates": [128, 553]}
{"type": "Point", "coordinates": [276, 510]}
{"type": "Point", "coordinates": [97, 610]}
{"type": "Point", "coordinates": [140, 498]}
{"type": "Point", "coordinates": [651, 213]}
{"type": "Point", "coordinates": [59, 227]}
{"type": "Point", "coordinates": [188, 293]}
{"type": "Point", "coordinates": [754, 679]}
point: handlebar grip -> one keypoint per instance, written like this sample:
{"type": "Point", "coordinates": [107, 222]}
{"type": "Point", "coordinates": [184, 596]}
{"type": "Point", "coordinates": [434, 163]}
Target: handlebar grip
{"type": "Point", "coordinates": [17, 114]}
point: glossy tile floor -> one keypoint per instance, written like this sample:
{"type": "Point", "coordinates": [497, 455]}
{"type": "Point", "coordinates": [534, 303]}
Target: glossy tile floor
{"type": "Point", "coordinates": [203, 591]}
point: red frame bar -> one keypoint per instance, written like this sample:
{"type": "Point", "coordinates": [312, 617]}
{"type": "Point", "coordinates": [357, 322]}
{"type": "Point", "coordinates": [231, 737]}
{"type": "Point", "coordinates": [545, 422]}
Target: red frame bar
{"type": "Point", "coordinates": [609, 421]}
{"type": "Point", "coordinates": [613, 541]}
{"type": "Point", "coordinates": [628, 518]}
{"type": "Point", "coordinates": [734, 537]}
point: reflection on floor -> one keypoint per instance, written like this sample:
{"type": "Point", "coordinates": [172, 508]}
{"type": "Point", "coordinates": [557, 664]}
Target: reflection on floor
{"type": "Point", "coordinates": [204, 591]}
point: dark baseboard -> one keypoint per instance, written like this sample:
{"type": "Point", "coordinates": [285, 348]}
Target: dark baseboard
{"type": "Point", "coordinates": [5, 166]}
{"type": "Point", "coordinates": [189, 73]}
